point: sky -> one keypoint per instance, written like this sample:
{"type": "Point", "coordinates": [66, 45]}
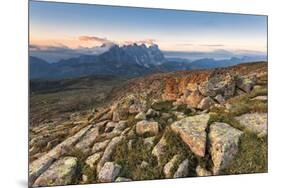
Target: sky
{"type": "Point", "coordinates": [78, 27]}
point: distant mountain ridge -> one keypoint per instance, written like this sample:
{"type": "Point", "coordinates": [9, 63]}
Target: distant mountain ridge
{"type": "Point", "coordinates": [128, 61]}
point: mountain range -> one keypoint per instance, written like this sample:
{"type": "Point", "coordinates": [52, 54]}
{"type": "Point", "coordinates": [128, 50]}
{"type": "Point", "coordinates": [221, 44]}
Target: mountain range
{"type": "Point", "coordinates": [128, 61]}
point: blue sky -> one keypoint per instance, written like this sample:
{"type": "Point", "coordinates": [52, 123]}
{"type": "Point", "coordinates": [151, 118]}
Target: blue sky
{"type": "Point", "coordinates": [86, 26]}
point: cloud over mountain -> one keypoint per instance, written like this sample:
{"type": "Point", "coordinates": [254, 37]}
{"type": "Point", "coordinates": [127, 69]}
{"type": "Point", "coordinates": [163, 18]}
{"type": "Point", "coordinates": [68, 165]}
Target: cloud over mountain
{"type": "Point", "coordinates": [93, 39]}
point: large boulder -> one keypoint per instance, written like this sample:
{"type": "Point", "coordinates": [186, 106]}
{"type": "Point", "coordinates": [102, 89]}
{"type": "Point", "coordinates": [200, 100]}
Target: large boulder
{"type": "Point", "coordinates": [109, 172]}
{"type": "Point", "coordinates": [168, 168]}
{"type": "Point", "coordinates": [224, 141]}
{"type": "Point", "coordinates": [254, 122]}
{"type": "Point", "coordinates": [62, 172]}
{"type": "Point", "coordinates": [99, 146]}
{"type": "Point", "coordinates": [145, 126]}
{"type": "Point", "coordinates": [182, 170]}
{"type": "Point", "coordinates": [218, 83]}
{"type": "Point", "coordinates": [246, 83]}
{"type": "Point", "coordinates": [192, 132]}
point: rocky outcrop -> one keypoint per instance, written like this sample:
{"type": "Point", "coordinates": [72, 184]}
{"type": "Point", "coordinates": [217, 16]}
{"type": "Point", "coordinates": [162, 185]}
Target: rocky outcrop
{"type": "Point", "coordinates": [224, 141]}
{"type": "Point", "coordinates": [254, 122]}
{"type": "Point", "coordinates": [218, 83]}
{"type": "Point", "coordinates": [37, 167]}
{"type": "Point", "coordinates": [62, 172]}
{"type": "Point", "coordinates": [192, 132]}
{"type": "Point", "coordinates": [150, 127]}
{"type": "Point", "coordinates": [182, 170]}
{"type": "Point", "coordinates": [109, 172]}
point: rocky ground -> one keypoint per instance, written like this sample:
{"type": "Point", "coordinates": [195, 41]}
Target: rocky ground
{"type": "Point", "coordinates": [170, 125]}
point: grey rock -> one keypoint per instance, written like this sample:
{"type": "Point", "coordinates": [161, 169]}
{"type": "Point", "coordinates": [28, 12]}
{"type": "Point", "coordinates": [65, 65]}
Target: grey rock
{"type": "Point", "coordinates": [37, 167]}
{"type": "Point", "coordinates": [254, 122]}
{"type": "Point", "coordinates": [246, 83]}
{"type": "Point", "coordinates": [86, 142]}
{"type": "Point", "coordinates": [109, 172]}
{"type": "Point", "coordinates": [61, 172]}
{"type": "Point", "coordinates": [224, 141]}
{"type": "Point", "coordinates": [99, 146]}
{"type": "Point", "coordinates": [192, 132]}
{"type": "Point", "coordinates": [108, 151]}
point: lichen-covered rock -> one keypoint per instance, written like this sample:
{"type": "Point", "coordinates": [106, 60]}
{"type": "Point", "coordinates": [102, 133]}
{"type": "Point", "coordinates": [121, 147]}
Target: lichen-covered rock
{"type": "Point", "coordinates": [145, 126]}
{"type": "Point", "coordinates": [254, 122]}
{"type": "Point", "coordinates": [224, 141]}
{"type": "Point", "coordinates": [61, 172]}
{"type": "Point", "coordinates": [206, 103]}
{"type": "Point", "coordinates": [159, 149]}
{"type": "Point", "coordinates": [182, 170]}
{"type": "Point", "coordinates": [200, 171]}
{"type": "Point", "coordinates": [108, 151]}
{"type": "Point", "coordinates": [168, 167]}
{"type": "Point", "coordinates": [38, 166]}
{"type": "Point", "coordinates": [93, 159]}
{"type": "Point", "coordinates": [192, 132]}
{"type": "Point", "coordinates": [246, 83]}
{"type": "Point", "coordinates": [86, 142]}
{"type": "Point", "coordinates": [99, 146]}
{"type": "Point", "coordinates": [109, 172]}
{"type": "Point", "coordinates": [140, 116]}
{"type": "Point", "coordinates": [217, 83]}
{"type": "Point", "coordinates": [122, 179]}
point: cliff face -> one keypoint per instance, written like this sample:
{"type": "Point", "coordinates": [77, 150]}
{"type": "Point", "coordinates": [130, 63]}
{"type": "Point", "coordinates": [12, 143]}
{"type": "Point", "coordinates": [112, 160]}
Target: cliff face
{"type": "Point", "coordinates": [168, 125]}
